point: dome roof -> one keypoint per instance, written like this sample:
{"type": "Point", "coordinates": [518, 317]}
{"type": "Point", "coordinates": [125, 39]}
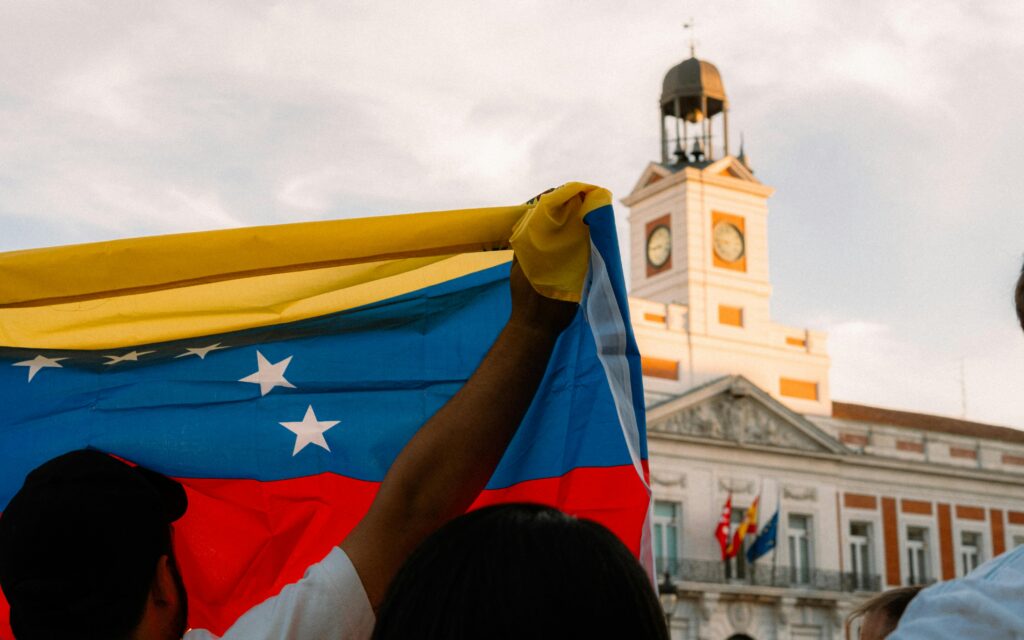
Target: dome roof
{"type": "Point", "coordinates": [689, 81]}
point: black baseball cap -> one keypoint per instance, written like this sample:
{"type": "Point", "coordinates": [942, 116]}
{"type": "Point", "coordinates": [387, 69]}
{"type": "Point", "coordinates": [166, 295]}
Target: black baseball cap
{"type": "Point", "coordinates": [80, 541]}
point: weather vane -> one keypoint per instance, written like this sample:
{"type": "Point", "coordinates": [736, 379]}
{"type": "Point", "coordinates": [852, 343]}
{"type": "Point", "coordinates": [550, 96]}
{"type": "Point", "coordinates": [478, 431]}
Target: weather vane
{"type": "Point", "coordinates": [691, 28]}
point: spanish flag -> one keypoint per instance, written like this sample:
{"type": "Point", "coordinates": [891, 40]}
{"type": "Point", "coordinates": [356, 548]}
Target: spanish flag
{"type": "Point", "coordinates": [748, 526]}
{"type": "Point", "coordinates": [276, 372]}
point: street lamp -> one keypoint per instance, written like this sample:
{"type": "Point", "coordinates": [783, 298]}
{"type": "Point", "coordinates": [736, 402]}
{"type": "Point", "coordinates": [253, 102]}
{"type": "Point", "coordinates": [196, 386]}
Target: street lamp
{"type": "Point", "coordinates": [668, 595]}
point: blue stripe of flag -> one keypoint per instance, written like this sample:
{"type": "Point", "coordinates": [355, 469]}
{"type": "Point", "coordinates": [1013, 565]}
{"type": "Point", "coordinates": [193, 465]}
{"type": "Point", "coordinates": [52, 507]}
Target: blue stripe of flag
{"type": "Point", "coordinates": [380, 371]}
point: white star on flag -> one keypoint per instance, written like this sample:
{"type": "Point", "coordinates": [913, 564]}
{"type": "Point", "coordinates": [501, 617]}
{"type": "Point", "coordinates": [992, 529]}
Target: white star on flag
{"type": "Point", "coordinates": [131, 356]}
{"type": "Point", "coordinates": [200, 351]}
{"type": "Point", "coordinates": [269, 375]}
{"type": "Point", "coordinates": [309, 431]}
{"type": "Point", "coordinates": [37, 363]}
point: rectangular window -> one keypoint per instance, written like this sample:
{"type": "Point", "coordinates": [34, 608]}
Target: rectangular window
{"type": "Point", "coordinates": [861, 560]}
{"type": "Point", "coordinates": [659, 368]}
{"type": "Point", "coordinates": [917, 555]}
{"type": "Point", "coordinates": [803, 389]}
{"type": "Point", "coordinates": [800, 548]}
{"type": "Point", "coordinates": [970, 551]}
{"type": "Point", "coordinates": [666, 536]}
{"type": "Point", "coordinates": [732, 316]}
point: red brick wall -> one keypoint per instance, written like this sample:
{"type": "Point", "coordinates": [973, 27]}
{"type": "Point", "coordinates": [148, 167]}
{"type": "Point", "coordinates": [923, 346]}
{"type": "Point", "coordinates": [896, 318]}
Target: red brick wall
{"type": "Point", "coordinates": [855, 439]}
{"type": "Point", "coordinates": [891, 538]}
{"type": "Point", "coordinates": [1009, 458]}
{"type": "Point", "coordinates": [998, 532]}
{"type": "Point", "coordinates": [920, 507]}
{"type": "Point", "coordinates": [970, 513]}
{"type": "Point", "coordinates": [907, 445]}
{"type": "Point", "coordinates": [960, 452]}
{"type": "Point", "coordinates": [946, 543]}
{"type": "Point", "coordinates": [859, 501]}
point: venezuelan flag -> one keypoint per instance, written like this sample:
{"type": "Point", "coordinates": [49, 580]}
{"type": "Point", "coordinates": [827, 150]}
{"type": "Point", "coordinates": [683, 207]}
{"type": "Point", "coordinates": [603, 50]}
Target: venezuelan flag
{"type": "Point", "coordinates": [277, 372]}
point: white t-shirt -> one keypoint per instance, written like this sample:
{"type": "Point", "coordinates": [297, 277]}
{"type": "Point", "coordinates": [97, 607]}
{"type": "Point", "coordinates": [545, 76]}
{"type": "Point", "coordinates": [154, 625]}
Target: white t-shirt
{"type": "Point", "coordinates": [987, 603]}
{"type": "Point", "coordinates": [329, 602]}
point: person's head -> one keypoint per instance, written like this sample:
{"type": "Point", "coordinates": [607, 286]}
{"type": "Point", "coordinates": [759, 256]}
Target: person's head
{"type": "Point", "coordinates": [85, 551]}
{"type": "Point", "coordinates": [879, 615]}
{"type": "Point", "coordinates": [520, 571]}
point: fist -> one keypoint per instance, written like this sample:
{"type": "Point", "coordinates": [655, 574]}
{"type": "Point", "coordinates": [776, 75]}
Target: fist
{"type": "Point", "coordinates": [532, 310]}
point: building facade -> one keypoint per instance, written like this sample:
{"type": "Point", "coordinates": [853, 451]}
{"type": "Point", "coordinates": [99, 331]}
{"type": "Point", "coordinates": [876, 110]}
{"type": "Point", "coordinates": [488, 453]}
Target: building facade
{"type": "Point", "coordinates": [739, 408]}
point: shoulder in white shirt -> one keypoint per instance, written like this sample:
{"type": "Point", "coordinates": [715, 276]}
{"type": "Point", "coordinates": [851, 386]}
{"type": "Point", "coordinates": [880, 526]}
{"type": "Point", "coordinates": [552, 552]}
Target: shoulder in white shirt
{"type": "Point", "coordinates": [328, 602]}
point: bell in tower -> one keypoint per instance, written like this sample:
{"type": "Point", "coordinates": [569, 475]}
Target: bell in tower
{"type": "Point", "coordinates": [691, 96]}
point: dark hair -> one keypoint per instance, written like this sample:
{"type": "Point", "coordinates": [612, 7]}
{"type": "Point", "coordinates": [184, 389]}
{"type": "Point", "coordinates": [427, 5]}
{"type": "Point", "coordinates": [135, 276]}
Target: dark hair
{"type": "Point", "coordinates": [80, 543]}
{"type": "Point", "coordinates": [521, 571]}
{"type": "Point", "coordinates": [1019, 298]}
{"type": "Point", "coordinates": [891, 604]}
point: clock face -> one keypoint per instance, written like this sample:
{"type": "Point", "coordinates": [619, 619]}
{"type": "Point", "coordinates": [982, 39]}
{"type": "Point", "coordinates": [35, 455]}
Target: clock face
{"type": "Point", "coordinates": [659, 246]}
{"type": "Point", "coordinates": [727, 241]}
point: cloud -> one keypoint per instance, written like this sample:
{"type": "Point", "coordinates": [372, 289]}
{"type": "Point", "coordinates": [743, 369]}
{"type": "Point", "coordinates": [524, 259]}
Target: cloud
{"type": "Point", "coordinates": [886, 128]}
{"type": "Point", "coordinates": [874, 364]}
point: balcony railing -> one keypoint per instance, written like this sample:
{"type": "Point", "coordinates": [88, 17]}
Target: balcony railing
{"type": "Point", "coordinates": [765, 575]}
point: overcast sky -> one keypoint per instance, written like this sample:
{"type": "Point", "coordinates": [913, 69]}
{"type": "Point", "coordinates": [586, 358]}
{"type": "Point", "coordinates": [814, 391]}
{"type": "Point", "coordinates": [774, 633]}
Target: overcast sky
{"type": "Point", "coordinates": [891, 131]}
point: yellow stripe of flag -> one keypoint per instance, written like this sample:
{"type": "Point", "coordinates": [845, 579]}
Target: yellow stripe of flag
{"type": "Point", "coordinates": [144, 290]}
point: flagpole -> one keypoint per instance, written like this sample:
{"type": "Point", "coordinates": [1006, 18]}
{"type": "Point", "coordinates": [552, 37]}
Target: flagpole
{"type": "Point", "coordinates": [775, 548]}
{"type": "Point", "coordinates": [758, 531]}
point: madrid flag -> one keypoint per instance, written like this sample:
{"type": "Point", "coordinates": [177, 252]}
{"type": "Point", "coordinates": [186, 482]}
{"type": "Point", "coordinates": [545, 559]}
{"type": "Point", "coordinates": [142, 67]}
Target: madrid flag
{"type": "Point", "coordinates": [276, 372]}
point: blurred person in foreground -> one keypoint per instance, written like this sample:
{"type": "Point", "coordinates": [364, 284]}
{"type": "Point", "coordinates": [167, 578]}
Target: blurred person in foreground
{"type": "Point", "coordinates": [521, 571]}
{"type": "Point", "coordinates": [878, 616]}
{"type": "Point", "coordinates": [86, 545]}
{"type": "Point", "coordinates": [986, 603]}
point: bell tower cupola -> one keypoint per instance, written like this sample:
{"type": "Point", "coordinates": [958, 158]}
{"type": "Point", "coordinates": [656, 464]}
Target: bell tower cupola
{"type": "Point", "coordinates": [699, 258]}
{"type": "Point", "coordinates": [693, 114]}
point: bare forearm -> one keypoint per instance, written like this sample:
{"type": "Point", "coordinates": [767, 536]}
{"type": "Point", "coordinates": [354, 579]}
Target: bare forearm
{"type": "Point", "coordinates": [448, 462]}
{"type": "Point", "coordinates": [452, 457]}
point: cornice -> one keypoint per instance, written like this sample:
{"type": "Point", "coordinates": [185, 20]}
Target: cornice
{"type": "Point", "coordinates": [700, 176]}
{"type": "Point", "coordinates": [858, 460]}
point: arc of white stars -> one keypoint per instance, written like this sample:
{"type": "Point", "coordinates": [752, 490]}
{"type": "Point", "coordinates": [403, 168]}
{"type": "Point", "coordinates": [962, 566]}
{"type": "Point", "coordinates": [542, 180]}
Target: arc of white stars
{"type": "Point", "coordinates": [269, 375]}
{"type": "Point", "coordinates": [202, 352]}
{"type": "Point", "coordinates": [131, 356]}
{"type": "Point", "coordinates": [309, 431]}
{"type": "Point", "coordinates": [38, 363]}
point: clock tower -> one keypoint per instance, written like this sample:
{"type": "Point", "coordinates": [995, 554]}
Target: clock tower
{"type": "Point", "coordinates": [699, 245]}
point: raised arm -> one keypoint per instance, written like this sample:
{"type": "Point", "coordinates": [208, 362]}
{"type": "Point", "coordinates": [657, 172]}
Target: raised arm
{"type": "Point", "coordinates": [448, 462]}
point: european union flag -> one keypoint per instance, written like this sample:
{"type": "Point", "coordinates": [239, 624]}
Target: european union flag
{"type": "Point", "coordinates": [766, 541]}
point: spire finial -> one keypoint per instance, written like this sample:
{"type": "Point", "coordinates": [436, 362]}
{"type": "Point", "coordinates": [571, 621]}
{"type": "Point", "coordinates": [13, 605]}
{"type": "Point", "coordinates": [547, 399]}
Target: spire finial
{"type": "Point", "coordinates": [690, 27]}
{"type": "Point", "coordinates": [743, 155]}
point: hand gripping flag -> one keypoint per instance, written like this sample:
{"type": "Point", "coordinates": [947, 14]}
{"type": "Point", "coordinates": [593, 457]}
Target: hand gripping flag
{"type": "Point", "coordinates": [278, 371]}
{"type": "Point", "coordinates": [765, 540]}
{"type": "Point", "coordinates": [748, 526]}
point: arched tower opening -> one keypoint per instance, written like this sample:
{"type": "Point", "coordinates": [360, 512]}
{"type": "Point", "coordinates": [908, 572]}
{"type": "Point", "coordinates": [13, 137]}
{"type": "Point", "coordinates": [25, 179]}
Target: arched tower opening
{"type": "Point", "coordinates": [693, 114]}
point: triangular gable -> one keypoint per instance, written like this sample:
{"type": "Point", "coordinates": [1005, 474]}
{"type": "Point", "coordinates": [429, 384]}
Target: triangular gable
{"type": "Point", "coordinates": [727, 167]}
{"type": "Point", "coordinates": [653, 173]}
{"type": "Point", "coordinates": [730, 167]}
{"type": "Point", "coordinates": [732, 409]}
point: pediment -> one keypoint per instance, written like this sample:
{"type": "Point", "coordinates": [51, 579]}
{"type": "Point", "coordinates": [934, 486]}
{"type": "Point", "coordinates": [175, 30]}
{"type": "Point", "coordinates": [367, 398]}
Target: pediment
{"type": "Point", "coordinates": [734, 410]}
{"type": "Point", "coordinates": [727, 171]}
{"type": "Point", "coordinates": [653, 173]}
{"type": "Point", "coordinates": [730, 167]}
